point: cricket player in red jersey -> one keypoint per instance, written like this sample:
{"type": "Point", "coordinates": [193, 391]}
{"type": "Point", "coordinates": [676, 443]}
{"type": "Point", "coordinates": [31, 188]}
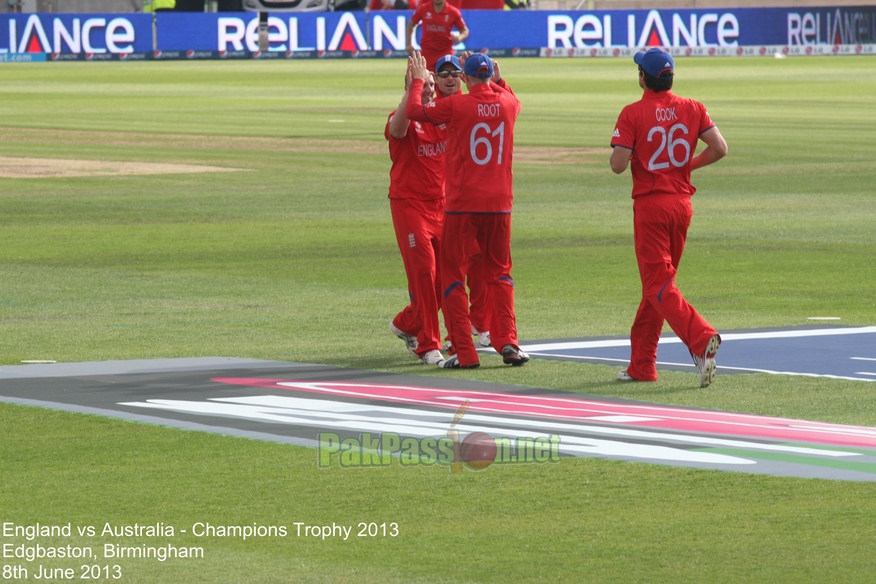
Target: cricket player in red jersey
{"type": "Point", "coordinates": [416, 194]}
{"type": "Point", "coordinates": [448, 72]}
{"type": "Point", "coordinates": [479, 195]}
{"type": "Point", "coordinates": [657, 137]}
{"type": "Point", "coordinates": [392, 5]}
{"type": "Point", "coordinates": [437, 19]}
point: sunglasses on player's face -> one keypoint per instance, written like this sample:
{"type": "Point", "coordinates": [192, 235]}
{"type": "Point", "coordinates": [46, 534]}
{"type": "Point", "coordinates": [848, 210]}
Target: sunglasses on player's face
{"type": "Point", "coordinates": [446, 74]}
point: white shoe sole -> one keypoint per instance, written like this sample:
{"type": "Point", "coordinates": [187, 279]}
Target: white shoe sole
{"type": "Point", "coordinates": [431, 358]}
{"type": "Point", "coordinates": [713, 346]}
{"type": "Point", "coordinates": [708, 373]}
{"type": "Point", "coordinates": [410, 342]}
{"type": "Point", "coordinates": [622, 375]}
{"type": "Point", "coordinates": [706, 362]}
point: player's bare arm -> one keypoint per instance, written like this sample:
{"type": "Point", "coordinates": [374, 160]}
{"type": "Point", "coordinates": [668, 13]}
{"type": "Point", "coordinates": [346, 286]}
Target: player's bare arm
{"type": "Point", "coordinates": [409, 46]}
{"type": "Point", "coordinates": [398, 125]}
{"type": "Point", "coordinates": [620, 159]}
{"type": "Point", "coordinates": [716, 149]}
{"type": "Point", "coordinates": [460, 36]}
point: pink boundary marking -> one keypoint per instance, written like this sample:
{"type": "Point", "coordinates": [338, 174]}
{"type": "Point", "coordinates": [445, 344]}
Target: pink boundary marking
{"type": "Point", "coordinates": [537, 406]}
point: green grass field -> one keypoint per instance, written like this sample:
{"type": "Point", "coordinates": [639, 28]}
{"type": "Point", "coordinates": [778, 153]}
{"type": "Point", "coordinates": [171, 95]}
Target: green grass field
{"type": "Point", "coordinates": [292, 257]}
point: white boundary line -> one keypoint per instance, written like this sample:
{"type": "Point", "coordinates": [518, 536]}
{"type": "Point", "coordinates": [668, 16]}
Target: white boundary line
{"type": "Point", "coordinates": [546, 349]}
{"type": "Point", "coordinates": [789, 334]}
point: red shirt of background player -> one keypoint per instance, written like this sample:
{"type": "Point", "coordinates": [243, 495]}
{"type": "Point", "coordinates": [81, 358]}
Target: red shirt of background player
{"type": "Point", "coordinates": [437, 30]}
{"type": "Point", "coordinates": [391, 5]}
{"type": "Point", "coordinates": [661, 149]}
{"type": "Point", "coordinates": [491, 135]}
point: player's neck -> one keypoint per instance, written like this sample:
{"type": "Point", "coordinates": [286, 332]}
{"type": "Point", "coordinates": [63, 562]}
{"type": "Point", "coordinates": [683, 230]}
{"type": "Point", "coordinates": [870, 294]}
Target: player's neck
{"type": "Point", "coordinates": [438, 6]}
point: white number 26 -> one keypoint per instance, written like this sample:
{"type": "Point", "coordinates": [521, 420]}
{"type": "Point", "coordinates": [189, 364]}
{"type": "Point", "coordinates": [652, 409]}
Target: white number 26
{"type": "Point", "coordinates": [673, 143]}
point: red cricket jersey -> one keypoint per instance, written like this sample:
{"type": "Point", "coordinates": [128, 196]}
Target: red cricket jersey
{"type": "Point", "coordinates": [437, 28]}
{"type": "Point", "coordinates": [378, 5]}
{"type": "Point", "coordinates": [662, 130]}
{"type": "Point", "coordinates": [480, 144]}
{"type": "Point", "coordinates": [418, 162]}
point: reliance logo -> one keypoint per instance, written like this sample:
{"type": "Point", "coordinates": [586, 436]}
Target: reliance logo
{"type": "Point", "coordinates": [69, 35]}
{"type": "Point", "coordinates": [338, 32]}
{"type": "Point", "coordinates": [590, 30]}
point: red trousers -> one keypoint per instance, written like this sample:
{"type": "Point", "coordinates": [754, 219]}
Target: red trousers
{"type": "Point", "coordinates": [418, 225]}
{"type": "Point", "coordinates": [481, 308]}
{"type": "Point", "coordinates": [432, 57]}
{"type": "Point", "coordinates": [660, 227]}
{"type": "Point", "coordinates": [463, 235]}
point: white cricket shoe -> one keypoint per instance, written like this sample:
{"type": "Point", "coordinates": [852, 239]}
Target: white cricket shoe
{"type": "Point", "coordinates": [410, 342]}
{"type": "Point", "coordinates": [452, 362]}
{"type": "Point", "coordinates": [483, 337]}
{"type": "Point", "coordinates": [705, 362]}
{"type": "Point", "coordinates": [513, 356]}
{"type": "Point", "coordinates": [622, 375]}
{"type": "Point", "coordinates": [431, 358]}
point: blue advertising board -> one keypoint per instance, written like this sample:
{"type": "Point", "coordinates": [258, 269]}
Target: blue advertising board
{"type": "Point", "coordinates": [75, 33]}
{"type": "Point", "coordinates": [193, 35]}
{"type": "Point", "coordinates": [498, 29]}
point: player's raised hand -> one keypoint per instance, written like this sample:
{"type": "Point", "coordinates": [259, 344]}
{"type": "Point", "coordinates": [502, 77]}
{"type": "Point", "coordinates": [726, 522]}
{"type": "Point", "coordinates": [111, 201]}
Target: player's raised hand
{"type": "Point", "coordinates": [497, 75]}
{"type": "Point", "coordinates": [419, 69]}
{"type": "Point", "coordinates": [409, 77]}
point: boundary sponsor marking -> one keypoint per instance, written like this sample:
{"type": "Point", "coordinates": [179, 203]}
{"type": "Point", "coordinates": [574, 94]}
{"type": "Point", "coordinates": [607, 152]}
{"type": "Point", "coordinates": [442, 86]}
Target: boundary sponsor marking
{"type": "Point", "coordinates": [292, 403]}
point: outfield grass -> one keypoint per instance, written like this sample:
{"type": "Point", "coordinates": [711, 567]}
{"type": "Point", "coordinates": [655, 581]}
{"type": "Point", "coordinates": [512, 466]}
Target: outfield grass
{"type": "Point", "coordinates": [294, 258]}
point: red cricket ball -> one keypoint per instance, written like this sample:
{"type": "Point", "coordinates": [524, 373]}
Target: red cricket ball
{"type": "Point", "coordinates": [478, 450]}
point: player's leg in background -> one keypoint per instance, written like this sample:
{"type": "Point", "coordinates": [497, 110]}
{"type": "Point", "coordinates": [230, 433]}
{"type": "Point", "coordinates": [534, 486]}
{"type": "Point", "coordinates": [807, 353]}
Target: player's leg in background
{"type": "Point", "coordinates": [408, 320]}
{"type": "Point", "coordinates": [439, 290]}
{"type": "Point", "coordinates": [456, 245]}
{"type": "Point", "coordinates": [668, 240]}
{"type": "Point", "coordinates": [656, 272]}
{"type": "Point", "coordinates": [432, 225]}
{"type": "Point", "coordinates": [644, 336]}
{"type": "Point", "coordinates": [423, 220]}
{"type": "Point", "coordinates": [494, 239]}
{"type": "Point", "coordinates": [432, 58]}
{"type": "Point", "coordinates": [480, 310]}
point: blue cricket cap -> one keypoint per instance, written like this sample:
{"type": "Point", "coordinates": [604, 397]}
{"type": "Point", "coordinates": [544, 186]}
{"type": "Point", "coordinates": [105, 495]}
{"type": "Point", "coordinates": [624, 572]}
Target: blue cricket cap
{"type": "Point", "coordinates": [452, 59]}
{"type": "Point", "coordinates": [479, 65]}
{"type": "Point", "coordinates": [655, 62]}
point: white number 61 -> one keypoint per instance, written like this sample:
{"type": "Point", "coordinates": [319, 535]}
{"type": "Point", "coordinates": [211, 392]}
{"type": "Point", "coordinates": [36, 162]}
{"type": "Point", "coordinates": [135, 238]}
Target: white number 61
{"type": "Point", "coordinates": [485, 140]}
